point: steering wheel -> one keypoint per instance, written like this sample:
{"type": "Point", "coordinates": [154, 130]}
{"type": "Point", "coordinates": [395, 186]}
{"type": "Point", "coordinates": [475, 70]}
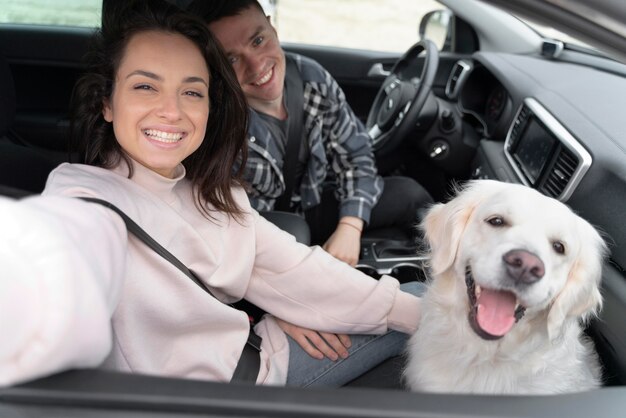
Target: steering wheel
{"type": "Point", "coordinates": [401, 98]}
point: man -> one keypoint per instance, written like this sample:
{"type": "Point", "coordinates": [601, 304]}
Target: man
{"type": "Point", "coordinates": [336, 184]}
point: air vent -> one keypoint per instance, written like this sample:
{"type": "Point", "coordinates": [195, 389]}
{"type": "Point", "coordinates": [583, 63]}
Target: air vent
{"type": "Point", "coordinates": [454, 78]}
{"type": "Point", "coordinates": [459, 72]}
{"type": "Point", "coordinates": [561, 173]}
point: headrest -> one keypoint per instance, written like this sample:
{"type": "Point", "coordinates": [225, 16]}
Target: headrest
{"type": "Point", "coordinates": [7, 97]}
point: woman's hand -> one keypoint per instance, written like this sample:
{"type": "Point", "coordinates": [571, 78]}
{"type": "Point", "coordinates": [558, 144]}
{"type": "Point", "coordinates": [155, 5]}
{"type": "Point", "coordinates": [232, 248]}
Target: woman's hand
{"type": "Point", "coordinates": [317, 344]}
{"type": "Point", "coordinates": [345, 242]}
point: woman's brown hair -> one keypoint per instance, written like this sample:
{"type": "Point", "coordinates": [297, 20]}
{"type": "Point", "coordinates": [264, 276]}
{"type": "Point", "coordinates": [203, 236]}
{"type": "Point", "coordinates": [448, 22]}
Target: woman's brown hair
{"type": "Point", "coordinates": [210, 167]}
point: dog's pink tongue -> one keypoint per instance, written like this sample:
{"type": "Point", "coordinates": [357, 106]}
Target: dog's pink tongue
{"type": "Point", "coordinates": [496, 311]}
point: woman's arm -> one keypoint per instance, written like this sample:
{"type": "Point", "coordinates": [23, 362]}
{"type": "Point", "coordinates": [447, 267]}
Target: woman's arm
{"type": "Point", "coordinates": [63, 261]}
{"type": "Point", "coordinates": [310, 288]}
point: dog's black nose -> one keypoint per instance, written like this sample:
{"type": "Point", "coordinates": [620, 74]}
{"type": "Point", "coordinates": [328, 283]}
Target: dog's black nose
{"type": "Point", "coordinates": [524, 266]}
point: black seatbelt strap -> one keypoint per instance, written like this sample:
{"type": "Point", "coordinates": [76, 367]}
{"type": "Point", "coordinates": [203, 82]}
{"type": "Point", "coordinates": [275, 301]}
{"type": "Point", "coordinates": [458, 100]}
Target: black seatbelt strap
{"type": "Point", "coordinates": [295, 109]}
{"type": "Point", "coordinates": [249, 363]}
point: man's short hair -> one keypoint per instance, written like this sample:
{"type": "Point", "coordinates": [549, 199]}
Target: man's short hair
{"type": "Point", "coordinates": [213, 10]}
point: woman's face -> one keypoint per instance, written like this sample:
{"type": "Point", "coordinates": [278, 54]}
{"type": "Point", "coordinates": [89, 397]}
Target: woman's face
{"type": "Point", "coordinates": [160, 101]}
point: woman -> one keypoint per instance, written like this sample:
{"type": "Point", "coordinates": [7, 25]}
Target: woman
{"type": "Point", "coordinates": [161, 120]}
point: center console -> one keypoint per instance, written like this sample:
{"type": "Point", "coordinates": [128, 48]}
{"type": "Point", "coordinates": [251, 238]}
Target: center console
{"type": "Point", "coordinates": [538, 152]}
{"type": "Point", "coordinates": [402, 259]}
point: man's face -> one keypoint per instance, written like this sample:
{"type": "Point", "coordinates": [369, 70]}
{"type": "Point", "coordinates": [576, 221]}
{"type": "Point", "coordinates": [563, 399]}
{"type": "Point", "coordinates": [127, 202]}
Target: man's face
{"type": "Point", "coordinates": [252, 46]}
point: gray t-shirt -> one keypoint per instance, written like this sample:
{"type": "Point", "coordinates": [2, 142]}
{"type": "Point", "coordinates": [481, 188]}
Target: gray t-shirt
{"type": "Point", "coordinates": [278, 129]}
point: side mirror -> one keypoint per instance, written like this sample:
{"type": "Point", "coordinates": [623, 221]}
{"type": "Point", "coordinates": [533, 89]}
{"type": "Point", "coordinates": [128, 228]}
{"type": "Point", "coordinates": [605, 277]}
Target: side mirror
{"type": "Point", "coordinates": [438, 26]}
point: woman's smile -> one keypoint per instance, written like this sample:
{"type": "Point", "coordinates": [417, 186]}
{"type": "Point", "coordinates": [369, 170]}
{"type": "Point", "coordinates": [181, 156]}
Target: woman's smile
{"type": "Point", "coordinates": [164, 137]}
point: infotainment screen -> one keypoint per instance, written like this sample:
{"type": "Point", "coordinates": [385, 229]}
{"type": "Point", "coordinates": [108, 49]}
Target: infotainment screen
{"type": "Point", "coordinates": [533, 149]}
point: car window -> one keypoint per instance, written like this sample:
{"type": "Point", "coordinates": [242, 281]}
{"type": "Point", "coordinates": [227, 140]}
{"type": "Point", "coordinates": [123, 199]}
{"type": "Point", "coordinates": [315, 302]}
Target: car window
{"type": "Point", "coordinates": [361, 24]}
{"type": "Point", "coordinates": [85, 13]}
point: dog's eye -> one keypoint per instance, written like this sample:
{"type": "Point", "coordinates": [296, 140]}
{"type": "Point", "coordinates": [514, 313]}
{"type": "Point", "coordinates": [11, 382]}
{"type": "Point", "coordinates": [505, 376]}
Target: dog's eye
{"type": "Point", "coordinates": [558, 247]}
{"type": "Point", "coordinates": [496, 221]}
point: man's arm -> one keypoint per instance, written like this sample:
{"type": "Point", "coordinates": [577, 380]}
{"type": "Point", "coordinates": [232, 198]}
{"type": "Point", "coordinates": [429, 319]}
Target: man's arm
{"type": "Point", "coordinates": [359, 186]}
{"type": "Point", "coordinates": [353, 160]}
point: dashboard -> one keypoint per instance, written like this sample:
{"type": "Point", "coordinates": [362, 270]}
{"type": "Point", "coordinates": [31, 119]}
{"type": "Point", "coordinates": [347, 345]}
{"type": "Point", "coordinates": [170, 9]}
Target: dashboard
{"type": "Point", "coordinates": [554, 125]}
{"type": "Point", "coordinates": [485, 99]}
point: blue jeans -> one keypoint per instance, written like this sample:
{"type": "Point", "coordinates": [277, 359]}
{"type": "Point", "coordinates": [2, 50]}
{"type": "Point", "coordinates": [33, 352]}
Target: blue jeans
{"type": "Point", "coordinates": [366, 352]}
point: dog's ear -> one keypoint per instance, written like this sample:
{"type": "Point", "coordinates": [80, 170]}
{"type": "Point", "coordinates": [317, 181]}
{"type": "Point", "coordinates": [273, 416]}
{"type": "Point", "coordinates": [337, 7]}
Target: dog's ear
{"type": "Point", "coordinates": [580, 298]}
{"type": "Point", "coordinates": [444, 224]}
{"type": "Point", "coordinates": [434, 227]}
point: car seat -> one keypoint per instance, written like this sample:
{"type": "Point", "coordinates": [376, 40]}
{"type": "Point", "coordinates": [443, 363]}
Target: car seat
{"type": "Point", "coordinates": [23, 169]}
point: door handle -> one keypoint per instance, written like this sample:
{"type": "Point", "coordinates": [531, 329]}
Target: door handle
{"type": "Point", "coordinates": [377, 70]}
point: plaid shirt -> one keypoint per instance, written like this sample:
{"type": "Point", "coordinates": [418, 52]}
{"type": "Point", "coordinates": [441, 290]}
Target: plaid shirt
{"type": "Point", "coordinates": [340, 153]}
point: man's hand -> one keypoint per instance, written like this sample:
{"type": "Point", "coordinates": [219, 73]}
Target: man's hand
{"type": "Point", "coordinates": [345, 242]}
{"type": "Point", "coordinates": [317, 344]}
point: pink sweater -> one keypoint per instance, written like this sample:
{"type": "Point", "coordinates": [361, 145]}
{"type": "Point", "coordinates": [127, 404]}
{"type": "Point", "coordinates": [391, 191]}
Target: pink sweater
{"type": "Point", "coordinates": [164, 324]}
{"type": "Point", "coordinates": [58, 288]}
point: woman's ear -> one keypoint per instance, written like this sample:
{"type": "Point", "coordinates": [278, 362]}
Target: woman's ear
{"type": "Point", "coordinates": [107, 111]}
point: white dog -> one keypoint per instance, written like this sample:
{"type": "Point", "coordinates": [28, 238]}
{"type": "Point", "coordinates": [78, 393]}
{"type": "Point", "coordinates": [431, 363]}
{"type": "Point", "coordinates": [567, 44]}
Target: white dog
{"type": "Point", "coordinates": [514, 275]}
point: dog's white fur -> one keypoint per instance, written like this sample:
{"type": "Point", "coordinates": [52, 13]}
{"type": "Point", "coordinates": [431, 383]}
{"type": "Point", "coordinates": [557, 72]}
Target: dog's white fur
{"type": "Point", "coordinates": [545, 352]}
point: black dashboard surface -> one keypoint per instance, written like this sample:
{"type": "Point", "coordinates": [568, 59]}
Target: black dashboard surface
{"type": "Point", "coordinates": [588, 102]}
